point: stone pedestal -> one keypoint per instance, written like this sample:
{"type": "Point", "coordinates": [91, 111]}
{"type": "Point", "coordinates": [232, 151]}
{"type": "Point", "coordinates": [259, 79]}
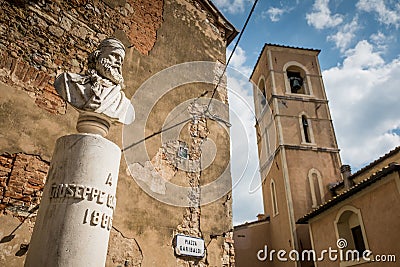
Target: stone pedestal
{"type": "Point", "coordinates": [90, 122]}
{"type": "Point", "coordinates": [75, 214]}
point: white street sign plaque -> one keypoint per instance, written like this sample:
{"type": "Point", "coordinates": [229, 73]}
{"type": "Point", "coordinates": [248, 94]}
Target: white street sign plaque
{"type": "Point", "coordinates": [189, 246]}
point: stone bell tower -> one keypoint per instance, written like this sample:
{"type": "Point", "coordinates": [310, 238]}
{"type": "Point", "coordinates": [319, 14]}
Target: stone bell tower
{"type": "Point", "coordinates": [298, 152]}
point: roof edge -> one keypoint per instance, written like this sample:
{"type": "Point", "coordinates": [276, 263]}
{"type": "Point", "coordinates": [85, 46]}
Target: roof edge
{"type": "Point", "coordinates": [281, 46]}
{"type": "Point", "coordinates": [266, 219]}
{"type": "Point", "coordinates": [233, 32]}
{"type": "Point", "coordinates": [368, 166]}
{"type": "Point", "coordinates": [346, 194]}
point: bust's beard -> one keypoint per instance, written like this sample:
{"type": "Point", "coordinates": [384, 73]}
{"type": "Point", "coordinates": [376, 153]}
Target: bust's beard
{"type": "Point", "coordinates": [105, 69]}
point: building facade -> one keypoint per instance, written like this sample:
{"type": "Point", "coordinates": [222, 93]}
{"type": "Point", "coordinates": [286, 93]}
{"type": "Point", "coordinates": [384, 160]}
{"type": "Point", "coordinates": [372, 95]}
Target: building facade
{"type": "Point", "coordinates": [361, 221]}
{"type": "Point", "coordinates": [310, 200]}
{"type": "Point", "coordinates": [298, 152]}
{"type": "Point", "coordinates": [40, 40]}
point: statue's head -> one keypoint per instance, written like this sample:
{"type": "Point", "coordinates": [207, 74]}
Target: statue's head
{"type": "Point", "coordinates": [108, 60]}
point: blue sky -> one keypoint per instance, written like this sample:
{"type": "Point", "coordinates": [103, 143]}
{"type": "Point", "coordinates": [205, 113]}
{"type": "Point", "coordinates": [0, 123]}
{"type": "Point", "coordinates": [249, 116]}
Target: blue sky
{"type": "Point", "coordinates": [360, 63]}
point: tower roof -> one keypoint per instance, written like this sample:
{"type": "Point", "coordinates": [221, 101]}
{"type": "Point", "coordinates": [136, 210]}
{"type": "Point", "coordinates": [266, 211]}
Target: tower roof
{"type": "Point", "coordinates": [283, 47]}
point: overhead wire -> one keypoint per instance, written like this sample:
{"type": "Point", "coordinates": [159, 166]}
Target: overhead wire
{"type": "Point", "coordinates": [232, 52]}
{"type": "Point", "coordinates": [207, 110]}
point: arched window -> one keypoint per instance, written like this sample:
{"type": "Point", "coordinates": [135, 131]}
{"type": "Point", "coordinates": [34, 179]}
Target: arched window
{"type": "Point", "coordinates": [349, 225]}
{"type": "Point", "coordinates": [296, 82]}
{"type": "Point", "coordinates": [261, 86]}
{"type": "Point", "coordinates": [306, 131]}
{"type": "Point", "coordinates": [316, 187]}
{"type": "Point", "coordinates": [296, 79]}
{"type": "Point", "coordinates": [273, 198]}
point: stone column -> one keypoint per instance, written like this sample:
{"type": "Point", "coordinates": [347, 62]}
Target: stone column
{"type": "Point", "coordinates": [75, 215]}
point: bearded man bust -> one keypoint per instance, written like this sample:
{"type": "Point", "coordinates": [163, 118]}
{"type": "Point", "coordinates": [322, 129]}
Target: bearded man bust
{"type": "Point", "coordinates": [100, 90]}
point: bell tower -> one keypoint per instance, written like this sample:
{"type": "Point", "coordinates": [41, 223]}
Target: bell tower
{"type": "Point", "coordinates": [297, 147]}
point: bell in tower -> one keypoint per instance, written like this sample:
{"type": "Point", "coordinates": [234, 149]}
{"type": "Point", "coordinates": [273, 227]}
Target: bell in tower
{"type": "Point", "coordinates": [296, 82]}
{"type": "Point", "coordinates": [297, 172]}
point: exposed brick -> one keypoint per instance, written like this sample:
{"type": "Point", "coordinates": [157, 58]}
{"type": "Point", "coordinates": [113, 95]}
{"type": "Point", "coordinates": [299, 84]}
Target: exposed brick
{"type": "Point", "coordinates": [16, 203]}
{"type": "Point", "coordinates": [3, 182]}
{"type": "Point", "coordinates": [45, 81]}
{"type": "Point", "coordinates": [144, 25]}
{"type": "Point", "coordinates": [36, 187]}
{"type": "Point", "coordinates": [3, 58]}
{"type": "Point", "coordinates": [37, 176]}
{"type": "Point", "coordinates": [21, 159]}
{"type": "Point", "coordinates": [28, 191]}
{"type": "Point", "coordinates": [39, 79]}
{"type": "Point", "coordinates": [49, 88]}
{"type": "Point", "coordinates": [23, 180]}
{"type": "Point", "coordinates": [6, 161]}
{"type": "Point", "coordinates": [30, 74]}
{"type": "Point", "coordinates": [20, 69]}
{"type": "Point", "coordinates": [14, 192]}
{"type": "Point", "coordinates": [26, 198]}
{"type": "Point", "coordinates": [9, 63]}
{"type": "Point", "coordinates": [51, 102]}
{"type": "Point", "coordinates": [79, 2]}
{"type": "Point", "coordinates": [58, 61]}
{"type": "Point", "coordinates": [16, 185]}
{"type": "Point", "coordinates": [30, 60]}
{"type": "Point", "coordinates": [229, 240]}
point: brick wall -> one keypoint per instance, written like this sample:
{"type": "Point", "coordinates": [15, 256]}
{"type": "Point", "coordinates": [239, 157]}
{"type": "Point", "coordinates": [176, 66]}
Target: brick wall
{"type": "Point", "coordinates": [15, 71]}
{"type": "Point", "coordinates": [22, 179]}
{"type": "Point", "coordinates": [41, 39]}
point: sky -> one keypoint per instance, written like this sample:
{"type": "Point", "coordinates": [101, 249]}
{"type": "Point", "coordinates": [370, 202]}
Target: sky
{"type": "Point", "coordinates": [360, 64]}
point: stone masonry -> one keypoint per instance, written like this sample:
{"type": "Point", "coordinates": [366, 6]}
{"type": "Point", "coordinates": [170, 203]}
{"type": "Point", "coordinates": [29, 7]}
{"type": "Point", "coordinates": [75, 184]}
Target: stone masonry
{"type": "Point", "coordinates": [42, 39]}
{"type": "Point", "coordinates": [22, 179]}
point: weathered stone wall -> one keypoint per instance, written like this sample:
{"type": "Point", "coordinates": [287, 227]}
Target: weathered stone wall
{"type": "Point", "coordinates": [41, 39]}
{"type": "Point", "coordinates": [44, 38]}
{"type": "Point", "coordinates": [22, 180]}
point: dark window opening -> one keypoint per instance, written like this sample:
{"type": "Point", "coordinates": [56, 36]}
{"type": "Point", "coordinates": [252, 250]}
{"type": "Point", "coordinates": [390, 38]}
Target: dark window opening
{"type": "Point", "coordinates": [296, 82]}
{"type": "Point", "coordinates": [358, 239]}
{"type": "Point", "coordinates": [306, 129]}
{"type": "Point", "coordinates": [264, 93]}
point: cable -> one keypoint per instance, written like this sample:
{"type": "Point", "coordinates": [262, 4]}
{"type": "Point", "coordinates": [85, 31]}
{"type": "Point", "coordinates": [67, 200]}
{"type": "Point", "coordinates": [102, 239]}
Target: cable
{"type": "Point", "coordinates": [233, 51]}
{"type": "Point", "coordinates": [206, 92]}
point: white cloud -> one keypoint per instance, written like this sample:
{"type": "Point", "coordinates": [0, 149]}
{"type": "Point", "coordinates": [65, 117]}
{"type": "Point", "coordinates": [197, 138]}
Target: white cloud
{"type": "Point", "coordinates": [385, 15]}
{"type": "Point", "coordinates": [381, 40]}
{"type": "Point", "coordinates": [378, 37]}
{"type": "Point", "coordinates": [362, 57]}
{"type": "Point", "coordinates": [321, 17]}
{"type": "Point", "coordinates": [275, 13]}
{"type": "Point", "coordinates": [345, 35]}
{"type": "Point", "coordinates": [364, 97]}
{"type": "Point", "coordinates": [231, 6]}
{"type": "Point", "coordinates": [238, 61]}
{"type": "Point", "coordinates": [244, 157]}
